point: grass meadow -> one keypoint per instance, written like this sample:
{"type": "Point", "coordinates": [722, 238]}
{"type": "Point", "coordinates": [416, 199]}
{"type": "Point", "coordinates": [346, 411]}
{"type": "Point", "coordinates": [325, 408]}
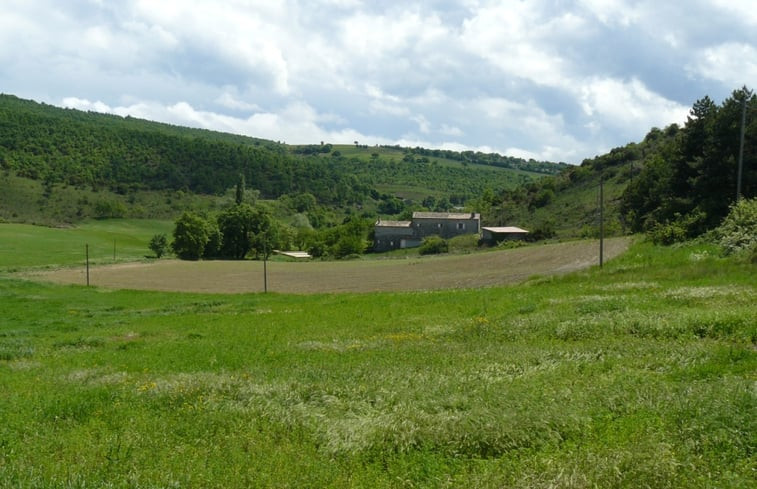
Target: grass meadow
{"type": "Point", "coordinates": [23, 246]}
{"type": "Point", "coordinates": [641, 374]}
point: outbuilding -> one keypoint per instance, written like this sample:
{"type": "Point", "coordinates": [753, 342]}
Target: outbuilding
{"type": "Point", "coordinates": [495, 235]}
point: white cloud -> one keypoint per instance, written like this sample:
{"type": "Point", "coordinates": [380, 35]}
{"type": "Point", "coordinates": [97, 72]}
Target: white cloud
{"type": "Point", "coordinates": [734, 64]}
{"type": "Point", "coordinates": [514, 37]}
{"type": "Point", "coordinates": [230, 101]}
{"type": "Point", "coordinates": [742, 9]}
{"type": "Point", "coordinates": [629, 105]}
{"type": "Point", "coordinates": [84, 104]}
{"type": "Point", "coordinates": [247, 35]}
{"type": "Point", "coordinates": [613, 12]}
{"type": "Point", "coordinates": [453, 131]}
{"type": "Point", "coordinates": [543, 78]}
{"type": "Point", "coordinates": [424, 126]}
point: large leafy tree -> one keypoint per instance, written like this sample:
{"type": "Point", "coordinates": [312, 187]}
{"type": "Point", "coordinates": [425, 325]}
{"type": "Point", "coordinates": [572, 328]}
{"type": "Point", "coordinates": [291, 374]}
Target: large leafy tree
{"type": "Point", "coordinates": [236, 226]}
{"type": "Point", "coordinates": [264, 232]}
{"type": "Point", "coordinates": [190, 236]}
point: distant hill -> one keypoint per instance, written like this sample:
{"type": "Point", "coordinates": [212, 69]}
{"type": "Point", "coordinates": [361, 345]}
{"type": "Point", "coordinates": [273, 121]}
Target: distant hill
{"type": "Point", "coordinates": [678, 180]}
{"type": "Point", "coordinates": [101, 152]}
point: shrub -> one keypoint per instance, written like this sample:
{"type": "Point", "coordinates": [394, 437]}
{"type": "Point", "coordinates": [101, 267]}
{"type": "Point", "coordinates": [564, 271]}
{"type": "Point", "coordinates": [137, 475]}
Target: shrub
{"type": "Point", "coordinates": [159, 245]}
{"type": "Point", "coordinates": [465, 243]}
{"type": "Point", "coordinates": [433, 245]}
{"type": "Point", "coordinates": [215, 240]}
{"type": "Point", "coordinates": [543, 230]}
{"type": "Point", "coordinates": [738, 232]}
{"type": "Point", "coordinates": [348, 245]}
{"type": "Point", "coordinates": [109, 209]}
{"type": "Point", "coordinates": [681, 228]}
{"type": "Point", "coordinates": [667, 234]}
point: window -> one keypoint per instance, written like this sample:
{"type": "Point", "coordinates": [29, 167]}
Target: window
{"type": "Point", "coordinates": [460, 225]}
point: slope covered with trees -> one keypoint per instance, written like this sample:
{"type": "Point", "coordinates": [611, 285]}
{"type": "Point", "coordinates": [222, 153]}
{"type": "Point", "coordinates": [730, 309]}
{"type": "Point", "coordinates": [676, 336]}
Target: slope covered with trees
{"type": "Point", "coordinates": [84, 149]}
{"type": "Point", "coordinates": [687, 186]}
{"type": "Point", "coordinates": [106, 152]}
{"type": "Point", "coordinates": [677, 182]}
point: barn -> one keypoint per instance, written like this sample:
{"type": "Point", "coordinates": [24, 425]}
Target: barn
{"type": "Point", "coordinates": [495, 235]}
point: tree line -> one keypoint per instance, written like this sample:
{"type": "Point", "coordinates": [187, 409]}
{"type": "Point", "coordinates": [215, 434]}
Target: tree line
{"type": "Point", "coordinates": [124, 154]}
{"type": "Point", "coordinates": [490, 159]}
{"type": "Point", "coordinates": [687, 187]}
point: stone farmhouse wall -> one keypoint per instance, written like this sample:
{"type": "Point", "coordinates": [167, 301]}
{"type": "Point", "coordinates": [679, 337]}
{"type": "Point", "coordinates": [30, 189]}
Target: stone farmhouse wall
{"type": "Point", "coordinates": [390, 235]}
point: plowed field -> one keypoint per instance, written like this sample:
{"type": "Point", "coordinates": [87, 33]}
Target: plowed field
{"type": "Point", "coordinates": [420, 273]}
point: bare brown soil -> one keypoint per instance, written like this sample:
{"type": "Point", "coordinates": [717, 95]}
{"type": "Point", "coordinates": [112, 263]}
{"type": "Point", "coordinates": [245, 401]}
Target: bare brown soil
{"type": "Point", "coordinates": [426, 273]}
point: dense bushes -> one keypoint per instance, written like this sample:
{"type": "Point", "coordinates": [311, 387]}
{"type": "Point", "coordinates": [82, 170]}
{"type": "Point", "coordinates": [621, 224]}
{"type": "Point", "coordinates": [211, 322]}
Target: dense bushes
{"type": "Point", "coordinates": [738, 232]}
{"type": "Point", "coordinates": [433, 245]}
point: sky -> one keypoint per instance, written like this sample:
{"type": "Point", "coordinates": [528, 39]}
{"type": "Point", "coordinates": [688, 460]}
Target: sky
{"type": "Point", "coordinates": [552, 80]}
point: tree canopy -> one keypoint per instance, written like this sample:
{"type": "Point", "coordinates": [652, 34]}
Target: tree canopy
{"type": "Point", "coordinates": [692, 179]}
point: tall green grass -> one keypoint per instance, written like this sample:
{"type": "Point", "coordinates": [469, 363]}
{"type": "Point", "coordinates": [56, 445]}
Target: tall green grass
{"type": "Point", "coordinates": [24, 245]}
{"type": "Point", "coordinates": [638, 375]}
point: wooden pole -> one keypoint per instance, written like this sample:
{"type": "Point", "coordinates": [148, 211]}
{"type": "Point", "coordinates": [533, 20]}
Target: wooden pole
{"type": "Point", "coordinates": [601, 222]}
{"type": "Point", "coordinates": [265, 273]}
{"type": "Point", "coordinates": [86, 252]}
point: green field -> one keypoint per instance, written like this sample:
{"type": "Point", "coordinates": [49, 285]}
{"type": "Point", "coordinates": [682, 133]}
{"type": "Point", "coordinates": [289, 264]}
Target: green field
{"type": "Point", "coordinates": [22, 245]}
{"type": "Point", "coordinates": [641, 374]}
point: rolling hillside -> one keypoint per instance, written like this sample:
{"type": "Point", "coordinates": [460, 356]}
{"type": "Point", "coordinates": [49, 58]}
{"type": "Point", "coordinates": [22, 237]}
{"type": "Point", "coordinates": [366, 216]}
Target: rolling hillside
{"type": "Point", "coordinates": [62, 166]}
{"type": "Point", "coordinates": [63, 148]}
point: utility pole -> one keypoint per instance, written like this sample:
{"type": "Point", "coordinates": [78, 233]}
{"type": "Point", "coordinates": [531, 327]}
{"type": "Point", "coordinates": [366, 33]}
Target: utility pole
{"type": "Point", "coordinates": [265, 274]}
{"type": "Point", "coordinates": [741, 147]}
{"type": "Point", "coordinates": [601, 221]}
{"type": "Point", "coordinates": [265, 262]}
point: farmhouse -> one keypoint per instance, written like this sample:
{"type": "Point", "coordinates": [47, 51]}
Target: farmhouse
{"type": "Point", "coordinates": [392, 235]}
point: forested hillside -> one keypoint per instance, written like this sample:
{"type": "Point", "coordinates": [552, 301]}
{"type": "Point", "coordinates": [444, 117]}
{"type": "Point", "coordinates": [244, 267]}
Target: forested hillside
{"type": "Point", "coordinates": [686, 187]}
{"type": "Point", "coordinates": [678, 182]}
{"type": "Point", "coordinates": [69, 146]}
{"type": "Point", "coordinates": [106, 152]}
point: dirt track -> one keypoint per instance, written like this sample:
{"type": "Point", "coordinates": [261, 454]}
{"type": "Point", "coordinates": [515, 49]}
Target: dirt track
{"type": "Point", "coordinates": [441, 272]}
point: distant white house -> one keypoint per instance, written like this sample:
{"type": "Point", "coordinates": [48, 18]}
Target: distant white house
{"type": "Point", "coordinates": [392, 235]}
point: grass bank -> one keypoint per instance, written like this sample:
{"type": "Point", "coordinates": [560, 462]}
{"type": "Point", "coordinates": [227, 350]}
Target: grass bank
{"type": "Point", "coordinates": [638, 375]}
{"type": "Point", "coordinates": [24, 245]}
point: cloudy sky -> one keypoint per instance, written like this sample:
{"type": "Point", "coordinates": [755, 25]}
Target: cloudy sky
{"type": "Point", "coordinates": [558, 80]}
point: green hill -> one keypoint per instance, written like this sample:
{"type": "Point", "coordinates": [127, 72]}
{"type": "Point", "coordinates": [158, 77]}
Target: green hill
{"type": "Point", "coordinates": [677, 183]}
{"type": "Point", "coordinates": [124, 156]}
{"type": "Point", "coordinates": [60, 165]}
